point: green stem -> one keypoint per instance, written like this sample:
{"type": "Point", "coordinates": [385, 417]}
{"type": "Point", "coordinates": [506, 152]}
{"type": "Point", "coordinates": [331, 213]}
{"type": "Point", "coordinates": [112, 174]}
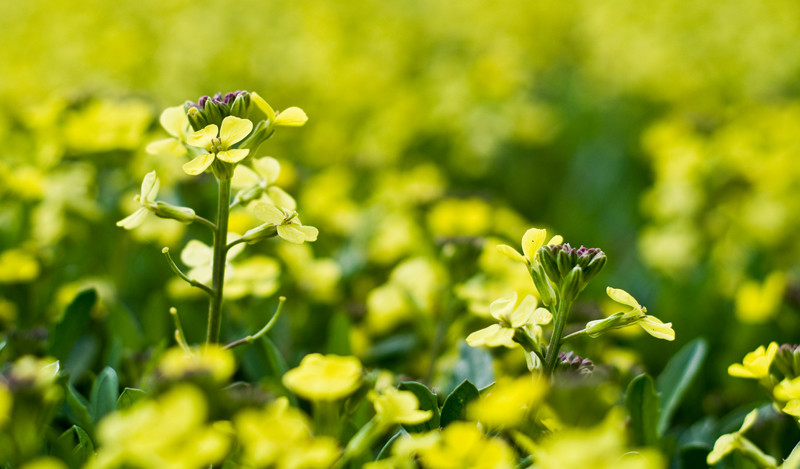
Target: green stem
{"type": "Point", "coordinates": [551, 360]}
{"type": "Point", "coordinates": [252, 338]}
{"type": "Point", "coordinates": [185, 277]}
{"type": "Point", "coordinates": [218, 266]}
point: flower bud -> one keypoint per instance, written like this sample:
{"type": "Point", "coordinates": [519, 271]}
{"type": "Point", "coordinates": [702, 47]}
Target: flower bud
{"type": "Point", "coordinates": [267, 230]}
{"type": "Point", "coordinates": [568, 361]}
{"type": "Point", "coordinates": [787, 360]}
{"type": "Point", "coordinates": [546, 292]}
{"type": "Point", "coordinates": [547, 257]}
{"type": "Point", "coordinates": [601, 326]}
{"type": "Point", "coordinates": [165, 210]}
{"type": "Point", "coordinates": [573, 284]}
{"type": "Point", "coordinates": [196, 118]}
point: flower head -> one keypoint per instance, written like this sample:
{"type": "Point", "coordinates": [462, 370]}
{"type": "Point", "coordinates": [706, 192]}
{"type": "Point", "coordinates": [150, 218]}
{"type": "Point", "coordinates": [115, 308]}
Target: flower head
{"type": "Point", "coordinates": [324, 377]}
{"type": "Point", "coordinates": [756, 364]}
{"type": "Point", "coordinates": [511, 316]}
{"type": "Point", "coordinates": [637, 314]}
{"type": "Point", "coordinates": [218, 143]}
{"type": "Point", "coordinates": [394, 406]}
{"type": "Point", "coordinates": [286, 222]}
{"type": "Point", "coordinates": [532, 240]}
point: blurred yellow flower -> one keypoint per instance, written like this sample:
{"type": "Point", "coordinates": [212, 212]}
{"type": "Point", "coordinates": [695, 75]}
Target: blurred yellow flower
{"type": "Point", "coordinates": [757, 302]}
{"type": "Point", "coordinates": [324, 377]}
{"type": "Point", "coordinates": [17, 265]}
{"type": "Point", "coordinates": [210, 360]}
{"type": "Point", "coordinates": [289, 117]}
{"type": "Point", "coordinates": [168, 432]}
{"type": "Point", "coordinates": [44, 463]}
{"type": "Point", "coordinates": [6, 404]}
{"type": "Point", "coordinates": [756, 363]}
{"type": "Point", "coordinates": [218, 145]}
{"type": "Point", "coordinates": [261, 180]}
{"type": "Point", "coordinates": [393, 406]}
{"type": "Point", "coordinates": [509, 402]}
{"type": "Point", "coordinates": [279, 436]}
{"type": "Point", "coordinates": [463, 446]}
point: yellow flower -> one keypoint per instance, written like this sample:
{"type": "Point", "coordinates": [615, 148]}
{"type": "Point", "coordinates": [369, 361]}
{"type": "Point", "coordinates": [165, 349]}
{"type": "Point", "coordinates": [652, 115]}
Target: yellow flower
{"type": "Point", "coordinates": [463, 446]}
{"type": "Point", "coordinates": [756, 363]}
{"type": "Point", "coordinates": [6, 403]}
{"type": "Point", "coordinates": [146, 197]}
{"type": "Point", "coordinates": [287, 223]}
{"type": "Point", "coordinates": [789, 391]}
{"type": "Point", "coordinates": [45, 463]}
{"type": "Point", "coordinates": [508, 402]}
{"type": "Point", "coordinates": [279, 436]}
{"type": "Point", "coordinates": [324, 377]}
{"type": "Point", "coordinates": [532, 240]}
{"type": "Point", "coordinates": [175, 122]}
{"type": "Point", "coordinates": [218, 146]}
{"type": "Point", "coordinates": [511, 316]}
{"type": "Point", "coordinates": [736, 441]}
{"type": "Point", "coordinates": [211, 360]}
{"type": "Point", "coordinates": [394, 406]}
{"type": "Point", "coordinates": [260, 180]}
{"type": "Point", "coordinates": [636, 315]}
{"type": "Point", "coordinates": [290, 117]}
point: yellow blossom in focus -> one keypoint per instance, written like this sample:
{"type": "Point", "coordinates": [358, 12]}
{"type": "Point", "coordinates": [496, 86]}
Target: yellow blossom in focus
{"type": "Point", "coordinates": [463, 446]}
{"type": "Point", "coordinates": [637, 314]}
{"type": "Point", "coordinates": [511, 315]}
{"type": "Point", "coordinates": [287, 223]}
{"type": "Point", "coordinates": [532, 240]}
{"type": "Point", "coordinates": [218, 143]}
{"type": "Point", "coordinates": [289, 117]}
{"type": "Point", "coordinates": [756, 363]}
{"type": "Point", "coordinates": [324, 377]}
{"type": "Point", "coordinates": [393, 406]}
{"type": "Point", "coordinates": [279, 436]}
{"type": "Point", "coordinates": [210, 360]}
{"type": "Point", "coordinates": [508, 403]}
{"type": "Point", "coordinates": [168, 432]}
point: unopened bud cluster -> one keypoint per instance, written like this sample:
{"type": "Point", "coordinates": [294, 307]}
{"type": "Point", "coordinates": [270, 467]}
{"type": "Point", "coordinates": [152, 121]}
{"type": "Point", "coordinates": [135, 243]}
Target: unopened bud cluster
{"type": "Point", "coordinates": [569, 268]}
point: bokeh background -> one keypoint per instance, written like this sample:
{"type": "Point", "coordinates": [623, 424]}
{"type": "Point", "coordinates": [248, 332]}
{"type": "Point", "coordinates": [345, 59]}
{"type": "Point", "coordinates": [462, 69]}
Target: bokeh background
{"type": "Point", "coordinates": [664, 132]}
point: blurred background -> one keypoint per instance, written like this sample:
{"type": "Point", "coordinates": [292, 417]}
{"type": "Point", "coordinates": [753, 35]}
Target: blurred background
{"type": "Point", "coordinates": [664, 132]}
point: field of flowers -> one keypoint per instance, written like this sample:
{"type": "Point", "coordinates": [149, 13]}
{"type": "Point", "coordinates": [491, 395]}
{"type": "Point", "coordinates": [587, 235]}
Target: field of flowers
{"type": "Point", "coordinates": [534, 234]}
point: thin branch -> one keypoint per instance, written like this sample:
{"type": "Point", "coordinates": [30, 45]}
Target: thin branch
{"type": "Point", "coordinates": [180, 274]}
{"type": "Point", "coordinates": [234, 243]}
{"type": "Point", "coordinates": [252, 338]}
{"type": "Point", "coordinates": [206, 222]}
{"type": "Point", "coordinates": [180, 337]}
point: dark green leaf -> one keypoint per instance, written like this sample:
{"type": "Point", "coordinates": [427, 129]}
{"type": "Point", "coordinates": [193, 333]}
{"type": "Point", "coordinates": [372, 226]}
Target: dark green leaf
{"type": "Point", "coordinates": [81, 357]}
{"type": "Point", "coordinates": [427, 401]}
{"type": "Point", "coordinates": [642, 403]}
{"type": "Point", "coordinates": [129, 397]}
{"type": "Point", "coordinates": [674, 381]}
{"type": "Point", "coordinates": [81, 445]}
{"type": "Point", "coordinates": [339, 334]}
{"type": "Point", "coordinates": [124, 326]}
{"type": "Point", "coordinates": [455, 406]}
{"type": "Point", "coordinates": [384, 452]}
{"type": "Point", "coordinates": [105, 393]}
{"type": "Point", "coordinates": [474, 364]}
{"type": "Point", "coordinates": [78, 408]}
{"type": "Point", "coordinates": [73, 324]}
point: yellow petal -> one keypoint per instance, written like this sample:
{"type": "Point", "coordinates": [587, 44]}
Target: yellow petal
{"type": "Point", "coordinates": [133, 220]}
{"type": "Point", "coordinates": [150, 185]}
{"type": "Point", "coordinates": [523, 314]}
{"type": "Point", "coordinates": [492, 336]}
{"type": "Point", "coordinates": [502, 308]}
{"type": "Point", "coordinates": [557, 239]}
{"type": "Point", "coordinates": [243, 177]}
{"type": "Point", "coordinates": [196, 254]}
{"type": "Point", "coordinates": [532, 240]}
{"type": "Point", "coordinates": [280, 198]}
{"type": "Point", "coordinates": [793, 408]}
{"type": "Point", "coordinates": [621, 296]}
{"type": "Point", "coordinates": [511, 252]}
{"type": "Point", "coordinates": [233, 156]}
{"type": "Point", "coordinates": [268, 168]}
{"type": "Point", "coordinates": [292, 117]}
{"type": "Point", "coordinates": [724, 445]}
{"type": "Point", "coordinates": [174, 120]}
{"type": "Point", "coordinates": [202, 138]}
{"type": "Point", "coordinates": [269, 213]}
{"type": "Point", "coordinates": [297, 234]}
{"type": "Point", "coordinates": [199, 164]}
{"type": "Point", "coordinates": [657, 329]}
{"type": "Point", "coordinates": [788, 390]}
{"type": "Point", "coordinates": [542, 316]}
{"type": "Point", "coordinates": [738, 371]}
{"type": "Point", "coordinates": [261, 104]}
{"type": "Point", "coordinates": [234, 129]}
{"type": "Point", "coordinates": [168, 146]}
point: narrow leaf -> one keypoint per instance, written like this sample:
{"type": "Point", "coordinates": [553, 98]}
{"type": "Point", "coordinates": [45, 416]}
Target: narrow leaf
{"type": "Point", "coordinates": [642, 403]}
{"type": "Point", "coordinates": [427, 401]}
{"type": "Point", "coordinates": [80, 443]}
{"type": "Point", "coordinates": [455, 406]}
{"type": "Point", "coordinates": [384, 452]}
{"type": "Point", "coordinates": [676, 378]}
{"type": "Point", "coordinates": [129, 397]}
{"type": "Point", "coordinates": [78, 408]}
{"type": "Point", "coordinates": [474, 364]}
{"type": "Point", "coordinates": [105, 393]}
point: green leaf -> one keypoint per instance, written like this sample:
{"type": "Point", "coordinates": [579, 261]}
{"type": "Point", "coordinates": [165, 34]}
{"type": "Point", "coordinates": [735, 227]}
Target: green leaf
{"type": "Point", "coordinates": [427, 401]}
{"type": "Point", "coordinates": [339, 335]}
{"type": "Point", "coordinates": [78, 407]}
{"type": "Point", "coordinates": [384, 452]}
{"type": "Point", "coordinates": [642, 403]}
{"type": "Point", "coordinates": [455, 406]}
{"type": "Point", "coordinates": [129, 397]}
{"type": "Point", "coordinates": [80, 443]}
{"type": "Point", "coordinates": [793, 461]}
{"type": "Point", "coordinates": [105, 393]}
{"type": "Point", "coordinates": [676, 378]}
{"type": "Point", "coordinates": [474, 364]}
{"type": "Point", "coordinates": [73, 324]}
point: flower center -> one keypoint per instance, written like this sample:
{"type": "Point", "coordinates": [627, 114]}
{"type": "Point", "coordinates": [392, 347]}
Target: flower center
{"type": "Point", "coordinates": [215, 146]}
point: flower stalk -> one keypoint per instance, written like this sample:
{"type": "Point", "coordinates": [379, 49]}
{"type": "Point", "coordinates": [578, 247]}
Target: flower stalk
{"type": "Point", "coordinates": [220, 252]}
